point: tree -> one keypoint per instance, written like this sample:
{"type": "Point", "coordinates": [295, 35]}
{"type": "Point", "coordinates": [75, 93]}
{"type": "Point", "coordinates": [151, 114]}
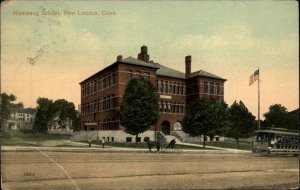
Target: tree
{"type": "Point", "coordinates": [67, 110]}
{"type": "Point", "coordinates": [6, 105]}
{"type": "Point", "coordinates": [241, 122]}
{"type": "Point", "coordinates": [47, 108]}
{"type": "Point", "coordinates": [277, 116]}
{"type": "Point", "coordinates": [206, 117]}
{"type": "Point", "coordinates": [44, 112]}
{"type": "Point", "coordinates": [139, 107]}
{"type": "Point", "coordinates": [293, 120]}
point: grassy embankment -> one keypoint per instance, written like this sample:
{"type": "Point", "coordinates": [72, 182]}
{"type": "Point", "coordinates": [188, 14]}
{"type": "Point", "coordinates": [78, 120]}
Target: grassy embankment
{"type": "Point", "coordinates": [14, 138]}
{"type": "Point", "coordinates": [55, 140]}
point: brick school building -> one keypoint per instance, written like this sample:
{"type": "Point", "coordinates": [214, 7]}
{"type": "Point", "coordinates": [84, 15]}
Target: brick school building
{"type": "Point", "coordinates": [101, 94]}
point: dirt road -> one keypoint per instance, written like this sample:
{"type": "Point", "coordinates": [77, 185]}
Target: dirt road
{"type": "Point", "coordinates": [100, 170]}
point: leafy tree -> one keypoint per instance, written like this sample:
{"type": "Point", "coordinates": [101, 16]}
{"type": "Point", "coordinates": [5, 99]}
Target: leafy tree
{"type": "Point", "coordinates": [44, 112]}
{"type": "Point", "coordinates": [206, 117]}
{"type": "Point", "coordinates": [6, 105]}
{"type": "Point", "coordinates": [293, 120]}
{"type": "Point", "coordinates": [241, 122]}
{"type": "Point", "coordinates": [139, 107]}
{"type": "Point", "coordinates": [47, 108]}
{"type": "Point", "coordinates": [67, 110]}
{"type": "Point", "coordinates": [277, 116]}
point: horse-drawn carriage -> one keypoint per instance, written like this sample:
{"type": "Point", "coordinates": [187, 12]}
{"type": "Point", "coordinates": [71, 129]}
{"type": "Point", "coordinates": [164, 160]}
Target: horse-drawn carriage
{"type": "Point", "coordinates": [171, 147]}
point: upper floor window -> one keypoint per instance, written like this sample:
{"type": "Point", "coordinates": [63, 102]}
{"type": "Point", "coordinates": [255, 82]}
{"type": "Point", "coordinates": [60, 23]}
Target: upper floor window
{"type": "Point", "coordinates": [128, 75]}
{"type": "Point", "coordinates": [99, 105]}
{"type": "Point", "coordinates": [104, 82]}
{"type": "Point", "coordinates": [146, 76]}
{"type": "Point", "coordinates": [178, 89]}
{"type": "Point", "coordinates": [104, 104]}
{"type": "Point", "coordinates": [206, 87]}
{"type": "Point", "coordinates": [169, 87]}
{"type": "Point", "coordinates": [113, 78]}
{"type": "Point", "coordinates": [113, 101]}
{"type": "Point", "coordinates": [212, 89]}
{"type": "Point", "coordinates": [95, 85]}
{"type": "Point", "coordinates": [218, 89]}
{"type": "Point", "coordinates": [138, 75]}
{"type": "Point", "coordinates": [108, 102]}
{"type": "Point", "coordinates": [99, 84]}
{"type": "Point", "coordinates": [165, 87]}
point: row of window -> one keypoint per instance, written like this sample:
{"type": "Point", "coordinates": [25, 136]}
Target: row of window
{"type": "Point", "coordinates": [98, 84]}
{"type": "Point", "coordinates": [107, 124]}
{"type": "Point", "coordinates": [137, 75]}
{"type": "Point", "coordinates": [170, 87]}
{"type": "Point", "coordinates": [169, 107]}
{"type": "Point", "coordinates": [212, 88]}
{"type": "Point", "coordinates": [99, 105]}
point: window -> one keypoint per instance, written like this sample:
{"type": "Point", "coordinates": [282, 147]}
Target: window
{"type": "Point", "coordinates": [158, 86]}
{"type": "Point", "coordinates": [174, 88]}
{"type": "Point", "coordinates": [95, 85]}
{"type": "Point", "coordinates": [88, 89]}
{"type": "Point", "coordinates": [128, 139]}
{"type": "Point", "coordinates": [218, 90]}
{"type": "Point", "coordinates": [161, 106]}
{"type": "Point", "coordinates": [104, 82]}
{"type": "Point", "coordinates": [95, 106]}
{"type": "Point", "coordinates": [128, 75]}
{"type": "Point", "coordinates": [99, 104]}
{"type": "Point", "coordinates": [169, 87]}
{"type": "Point", "coordinates": [99, 84]}
{"type": "Point", "coordinates": [183, 89]}
{"type": "Point", "coordinates": [113, 101]}
{"type": "Point", "coordinates": [108, 102]}
{"type": "Point", "coordinates": [212, 89]}
{"type": "Point", "coordinates": [165, 106]}
{"type": "Point", "coordinates": [165, 87]}
{"type": "Point", "coordinates": [206, 87]}
{"type": "Point", "coordinates": [107, 81]}
{"type": "Point", "coordinates": [114, 78]}
{"type": "Point", "coordinates": [138, 75]}
{"type": "Point", "coordinates": [104, 104]}
{"type": "Point", "coordinates": [147, 76]}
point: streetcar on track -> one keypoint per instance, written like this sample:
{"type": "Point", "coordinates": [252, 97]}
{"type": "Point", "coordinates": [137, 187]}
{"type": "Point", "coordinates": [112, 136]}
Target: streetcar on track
{"type": "Point", "coordinates": [276, 141]}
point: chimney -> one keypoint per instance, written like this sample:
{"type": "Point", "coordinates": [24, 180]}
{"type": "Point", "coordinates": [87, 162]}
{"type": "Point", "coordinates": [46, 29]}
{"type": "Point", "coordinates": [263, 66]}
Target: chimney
{"type": "Point", "coordinates": [119, 58]}
{"type": "Point", "coordinates": [143, 56]}
{"type": "Point", "coordinates": [188, 62]}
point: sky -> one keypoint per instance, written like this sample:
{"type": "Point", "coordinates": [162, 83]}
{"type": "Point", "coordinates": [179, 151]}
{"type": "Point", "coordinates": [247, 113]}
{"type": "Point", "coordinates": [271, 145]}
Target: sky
{"type": "Point", "coordinates": [49, 55]}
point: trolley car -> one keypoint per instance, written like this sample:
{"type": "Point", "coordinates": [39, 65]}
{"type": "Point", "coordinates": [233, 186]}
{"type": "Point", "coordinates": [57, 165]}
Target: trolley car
{"type": "Point", "coordinates": [276, 141]}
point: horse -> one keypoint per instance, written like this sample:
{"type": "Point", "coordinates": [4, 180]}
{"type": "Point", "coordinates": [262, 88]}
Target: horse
{"type": "Point", "coordinates": [150, 144]}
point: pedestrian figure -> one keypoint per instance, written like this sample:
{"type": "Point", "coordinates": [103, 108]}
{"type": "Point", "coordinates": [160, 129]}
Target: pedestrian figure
{"type": "Point", "coordinates": [172, 144]}
{"type": "Point", "coordinates": [103, 142]}
{"type": "Point", "coordinates": [90, 142]}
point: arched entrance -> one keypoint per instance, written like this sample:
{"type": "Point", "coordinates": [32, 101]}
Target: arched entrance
{"type": "Point", "coordinates": [165, 127]}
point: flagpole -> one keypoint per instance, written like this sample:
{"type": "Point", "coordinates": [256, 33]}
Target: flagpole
{"type": "Point", "coordinates": [258, 109]}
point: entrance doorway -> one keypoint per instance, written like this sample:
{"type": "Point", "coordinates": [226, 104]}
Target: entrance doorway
{"type": "Point", "coordinates": [165, 127]}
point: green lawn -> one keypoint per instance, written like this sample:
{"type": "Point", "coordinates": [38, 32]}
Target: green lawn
{"type": "Point", "coordinates": [14, 138]}
{"type": "Point", "coordinates": [243, 145]}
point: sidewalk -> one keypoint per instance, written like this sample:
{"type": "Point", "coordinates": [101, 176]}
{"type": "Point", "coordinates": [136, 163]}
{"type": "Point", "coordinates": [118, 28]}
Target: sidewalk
{"type": "Point", "coordinates": [119, 149]}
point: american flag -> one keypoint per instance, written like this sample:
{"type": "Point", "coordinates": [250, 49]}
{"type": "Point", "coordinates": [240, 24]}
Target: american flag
{"type": "Point", "coordinates": [254, 77]}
